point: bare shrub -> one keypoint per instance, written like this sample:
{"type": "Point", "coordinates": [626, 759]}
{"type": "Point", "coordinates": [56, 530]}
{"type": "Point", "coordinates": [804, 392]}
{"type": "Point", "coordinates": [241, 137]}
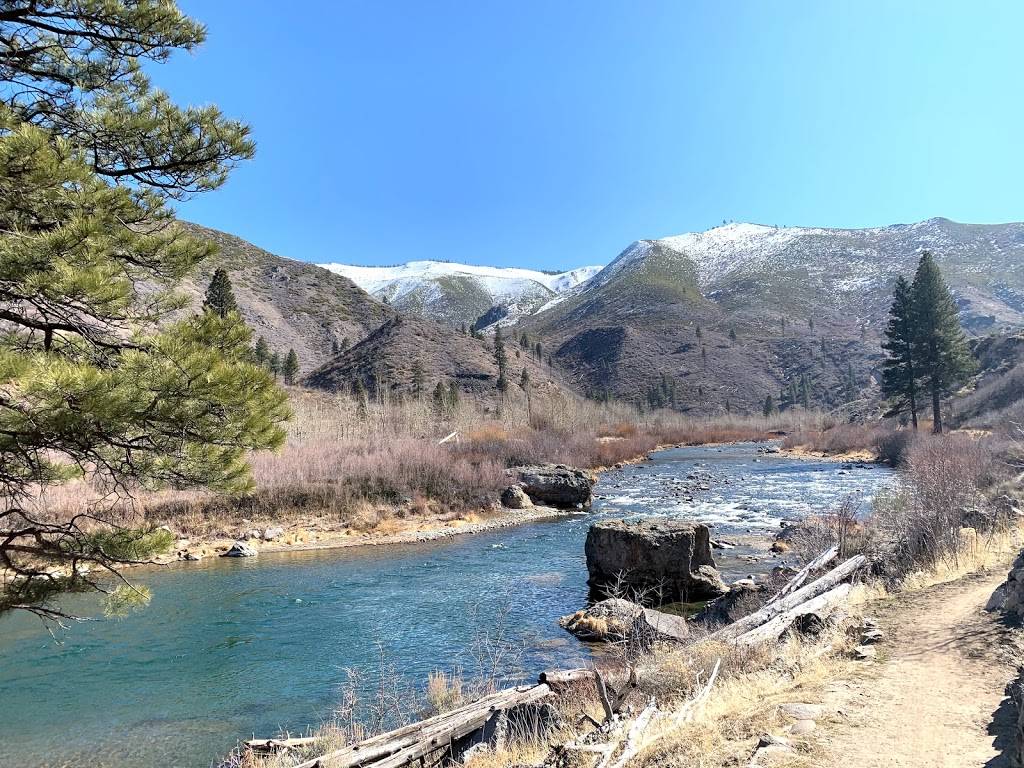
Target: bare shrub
{"type": "Point", "coordinates": [840, 528]}
{"type": "Point", "coordinates": [893, 446]}
{"type": "Point", "coordinates": [917, 523]}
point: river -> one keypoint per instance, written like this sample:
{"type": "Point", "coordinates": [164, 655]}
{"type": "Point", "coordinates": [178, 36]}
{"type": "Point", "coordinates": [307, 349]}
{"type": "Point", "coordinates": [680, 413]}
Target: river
{"type": "Point", "coordinates": [228, 648]}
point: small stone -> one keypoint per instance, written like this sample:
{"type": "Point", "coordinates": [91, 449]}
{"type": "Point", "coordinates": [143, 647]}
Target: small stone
{"type": "Point", "coordinates": [864, 652]}
{"type": "Point", "coordinates": [193, 556]}
{"type": "Point", "coordinates": [802, 711]}
{"type": "Point", "coordinates": [802, 727]}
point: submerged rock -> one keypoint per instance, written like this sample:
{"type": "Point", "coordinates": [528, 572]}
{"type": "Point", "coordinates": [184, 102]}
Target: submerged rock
{"type": "Point", "coordinates": [240, 549]}
{"type": "Point", "coordinates": [556, 485]}
{"type": "Point", "coordinates": [667, 560]}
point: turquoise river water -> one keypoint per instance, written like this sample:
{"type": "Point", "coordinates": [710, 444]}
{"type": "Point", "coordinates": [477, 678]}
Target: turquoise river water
{"type": "Point", "coordinates": [228, 648]}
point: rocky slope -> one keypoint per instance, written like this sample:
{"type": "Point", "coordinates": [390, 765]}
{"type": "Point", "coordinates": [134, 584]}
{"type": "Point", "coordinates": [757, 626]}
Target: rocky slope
{"type": "Point", "coordinates": [462, 294]}
{"type": "Point", "coordinates": [292, 303]}
{"type": "Point", "coordinates": [773, 305]}
{"type": "Point", "coordinates": [408, 353]}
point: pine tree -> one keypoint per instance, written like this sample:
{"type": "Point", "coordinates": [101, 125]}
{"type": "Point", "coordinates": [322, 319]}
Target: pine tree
{"type": "Point", "coordinates": [107, 379]}
{"type": "Point", "coordinates": [732, 334]}
{"type": "Point", "coordinates": [805, 392]}
{"type": "Point", "coordinates": [851, 384]}
{"type": "Point", "coordinates": [261, 352]}
{"type": "Point", "coordinates": [944, 358]}
{"type": "Point", "coordinates": [704, 356]}
{"type": "Point", "coordinates": [501, 360]}
{"type": "Point", "coordinates": [810, 324]}
{"type": "Point", "coordinates": [698, 333]}
{"type": "Point", "coordinates": [220, 297]}
{"type": "Point", "coordinates": [453, 395]}
{"type": "Point", "coordinates": [290, 368]}
{"type": "Point", "coordinates": [539, 350]}
{"type": "Point", "coordinates": [769, 406]}
{"type": "Point", "coordinates": [274, 365]}
{"type": "Point", "coordinates": [524, 342]}
{"type": "Point", "coordinates": [899, 370]}
{"type": "Point", "coordinates": [335, 347]}
{"type": "Point", "coordinates": [524, 379]}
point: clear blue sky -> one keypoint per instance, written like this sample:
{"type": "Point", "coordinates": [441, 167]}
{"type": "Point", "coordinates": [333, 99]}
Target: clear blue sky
{"type": "Point", "coordinates": [550, 134]}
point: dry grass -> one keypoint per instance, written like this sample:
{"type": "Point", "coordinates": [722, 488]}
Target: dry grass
{"type": "Point", "coordinates": [347, 467]}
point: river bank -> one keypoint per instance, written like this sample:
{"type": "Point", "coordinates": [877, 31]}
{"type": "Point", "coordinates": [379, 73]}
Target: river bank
{"type": "Point", "coordinates": [230, 647]}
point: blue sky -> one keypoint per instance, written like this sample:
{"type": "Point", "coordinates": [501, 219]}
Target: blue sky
{"type": "Point", "coordinates": [552, 134]}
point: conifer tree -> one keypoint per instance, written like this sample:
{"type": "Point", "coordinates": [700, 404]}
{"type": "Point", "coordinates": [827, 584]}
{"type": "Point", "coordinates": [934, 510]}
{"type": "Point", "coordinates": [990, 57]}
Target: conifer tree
{"type": "Point", "coordinates": [107, 377]}
{"type": "Point", "coordinates": [501, 360]}
{"type": "Point", "coordinates": [440, 400]}
{"type": "Point", "coordinates": [453, 395]}
{"type": "Point", "coordinates": [220, 297]}
{"type": "Point", "coordinates": [944, 358]}
{"type": "Point", "coordinates": [290, 367]}
{"type": "Point", "coordinates": [274, 365]}
{"type": "Point", "coordinates": [335, 347]}
{"type": "Point", "coordinates": [899, 369]}
{"type": "Point", "coordinates": [362, 399]}
{"type": "Point", "coordinates": [524, 379]}
{"type": "Point", "coordinates": [810, 324]}
{"type": "Point", "coordinates": [539, 350]}
{"type": "Point", "coordinates": [261, 352]}
{"type": "Point", "coordinates": [698, 333]}
{"type": "Point", "coordinates": [732, 334]}
{"type": "Point", "coordinates": [805, 392]}
{"type": "Point", "coordinates": [704, 356]}
{"type": "Point", "coordinates": [851, 384]}
{"type": "Point", "coordinates": [769, 406]}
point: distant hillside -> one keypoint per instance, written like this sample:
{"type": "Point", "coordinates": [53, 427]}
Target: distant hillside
{"type": "Point", "coordinates": [460, 294]}
{"type": "Point", "coordinates": [292, 303]}
{"type": "Point", "coordinates": [801, 303]}
{"type": "Point", "coordinates": [391, 355]}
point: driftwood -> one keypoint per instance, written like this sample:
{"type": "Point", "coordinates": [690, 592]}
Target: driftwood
{"type": "Point", "coordinates": [564, 677]}
{"type": "Point", "coordinates": [412, 742]}
{"type": "Point", "coordinates": [278, 745]}
{"type": "Point", "coordinates": [797, 581]}
{"type": "Point", "coordinates": [774, 628]}
{"type": "Point", "coordinates": [786, 604]}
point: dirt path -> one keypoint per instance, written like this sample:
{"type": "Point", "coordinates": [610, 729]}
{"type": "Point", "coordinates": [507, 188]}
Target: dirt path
{"type": "Point", "coordinates": [934, 698]}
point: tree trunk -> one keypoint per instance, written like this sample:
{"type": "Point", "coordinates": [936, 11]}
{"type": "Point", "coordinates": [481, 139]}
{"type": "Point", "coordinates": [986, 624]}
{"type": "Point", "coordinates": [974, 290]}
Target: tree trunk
{"type": "Point", "coordinates": [936, 409]}
{"type": "Point", "coordinates": [912, 392]}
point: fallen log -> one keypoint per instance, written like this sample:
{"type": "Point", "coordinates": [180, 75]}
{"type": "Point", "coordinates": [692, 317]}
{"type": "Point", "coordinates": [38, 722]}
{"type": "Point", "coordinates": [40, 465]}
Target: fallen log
{"type": "Point", "coordinates": [403, 745]}
{"type": "Point", "coordinates": [774, 628]}
{"type": "Point", "coordinates": [768, 612]}
{"type": "Point", "coordinates": [564, 677]}
{"type": "Point", "coordinates": [797, 581]}
{"type": "Point", "coordinates": [276, 745]}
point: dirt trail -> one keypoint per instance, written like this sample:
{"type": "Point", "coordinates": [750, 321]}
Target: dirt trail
{"type": "Point", "coordinates": [934, 698]}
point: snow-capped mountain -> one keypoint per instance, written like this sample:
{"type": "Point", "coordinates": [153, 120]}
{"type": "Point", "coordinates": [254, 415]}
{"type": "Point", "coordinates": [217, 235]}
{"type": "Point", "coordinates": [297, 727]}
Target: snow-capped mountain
{"type": "Point", "coordinates": [463, 293]}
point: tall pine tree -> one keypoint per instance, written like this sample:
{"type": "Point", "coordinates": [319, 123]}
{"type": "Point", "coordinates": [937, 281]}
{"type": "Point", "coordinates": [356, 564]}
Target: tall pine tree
{"type": "Point", "coordinates": [290, 368]}
{"type": "Point", "coordinates": [899, 370]}
{"type": "Point", "coordinates": [944, 359]}
{"type": "Point", "coordinates": [501, 360]}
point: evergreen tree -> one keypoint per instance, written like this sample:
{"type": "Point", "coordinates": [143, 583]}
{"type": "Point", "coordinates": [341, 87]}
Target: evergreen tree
{"type": "Point", "coordinates": [728, 406]}
{"type": "Point", "coordinates": [944, 358]}
{"type": "Point", "coordinates": [704, 356]}
{"type": "Point", "coordinates": [106, 379]}
{"type": "Point", "coordinates": [501, 360]}
{"type": "Point", "coordinates": [335, 348]}
{"type": "Point", "coordinates": [783, 326]}
{"type": "Point", "coordinates": [805, 392]}
{"type": "Point", "coordinates": [851, 384]}
{"type": "Point", "coordinates": [453, 395]}
{"type": "Point", "coordinates": [732, 334]}
{"type": "Point", "coordinates": [261, 352]}
{"type": "Point", "coordinates": [274, 365]}
{"type": "Point", "coordinates": [220, 297]}
{"type": "Point", "coordinates": [524, 342]}
{"type": "Point", "coordinates": [698, 333]}
{"type": "Point", "coordinates": [810, 323]}
{"type": "Point", "coordinates": [524, 379]}
{"type": "Point", "coordinates": [769, 406]}
{"type": "Point", "coordinates": [899, 369]}
{"type": "Point", "coordinates": [290, 368]}
{"type": "Point", "coordinates": [539, 350]}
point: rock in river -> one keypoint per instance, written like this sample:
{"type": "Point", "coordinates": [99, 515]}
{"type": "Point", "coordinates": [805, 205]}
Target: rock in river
{"type": "Point", "coordinates": [667, 558]}
{"type": "Point", "coordinates": [240, 549]}
{"type": "Point", "coordinates": [556, 485]}
{"type": "Point", "coordinates": [615, 619]}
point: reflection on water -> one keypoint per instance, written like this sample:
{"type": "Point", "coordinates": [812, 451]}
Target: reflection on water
{"type": "Point", "coordinates": [228, 648]}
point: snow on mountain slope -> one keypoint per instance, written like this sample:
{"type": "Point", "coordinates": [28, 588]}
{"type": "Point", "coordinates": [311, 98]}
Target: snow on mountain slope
{"type": "Point", "coordinates": [461, 293]}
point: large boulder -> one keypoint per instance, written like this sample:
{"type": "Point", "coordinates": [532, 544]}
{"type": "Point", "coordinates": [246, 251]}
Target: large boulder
{"type": "Point", "coordinates": [515, 497]}
{"type": "Point", "coordinates": [556, 485]}
{"type": "Point", "coordinates": [666, 561]}
{"type": "Point", "coordinates": [1010, 595]}
{"type": "Point", "coordinates": [240, 549]}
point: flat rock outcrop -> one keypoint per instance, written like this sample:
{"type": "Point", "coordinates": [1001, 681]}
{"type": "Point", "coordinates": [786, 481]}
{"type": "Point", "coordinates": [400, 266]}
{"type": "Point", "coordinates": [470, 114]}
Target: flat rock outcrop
{"type": "Point", "coordinates": [556, 485]}
{"type": "Point", "coordinates": [615, 619]}
{"type": "Point", "coordinates": [664, 560]}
